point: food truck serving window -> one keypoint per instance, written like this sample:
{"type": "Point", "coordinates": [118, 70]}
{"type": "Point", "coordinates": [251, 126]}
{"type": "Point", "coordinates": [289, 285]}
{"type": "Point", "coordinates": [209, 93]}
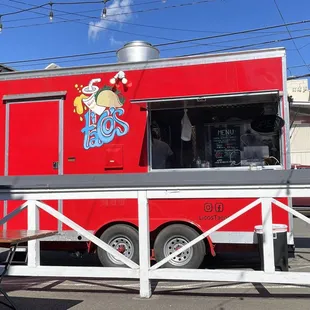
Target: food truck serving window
{"type": "Point", "coordinates": [215, 132]}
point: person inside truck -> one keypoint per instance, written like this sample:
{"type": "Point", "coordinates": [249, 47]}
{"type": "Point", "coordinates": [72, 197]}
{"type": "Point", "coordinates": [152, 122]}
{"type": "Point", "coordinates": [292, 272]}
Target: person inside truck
{"type": "Point", "coordinates": [161, 151]}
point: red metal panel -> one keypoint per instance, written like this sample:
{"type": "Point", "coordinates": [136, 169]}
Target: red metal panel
{"type": "Point", "coordinates": [206, 213]}
{"type": "Point", "coordinates": [81, 158]}
{"type": "Point", "coordinates": [33, 138]}
{"type": "Point", "coordinates": [1, 212]}
{"type": "Point", "coordinates": [93, 214]}
{"type": "Point", "coordinates": [187, 80]}
{"type": "Point", "coordinates": [2, 152]}
{"type": "Point", "coordinates": [80, 154]}
{"type": "Point", "coordinates": [47, 222]}
{"type": "Point", "coordinates": [33, 147]}
{"type": "Point", "coordinates": [18, 221]}
{"type": "Point", "coordinates": [203, 213]}
{"type": "Point", "coordinates": [217, 78]}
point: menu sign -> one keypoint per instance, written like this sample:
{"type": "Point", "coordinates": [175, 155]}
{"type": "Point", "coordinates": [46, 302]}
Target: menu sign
{"type": "Point", "coordinates": [225, 143]}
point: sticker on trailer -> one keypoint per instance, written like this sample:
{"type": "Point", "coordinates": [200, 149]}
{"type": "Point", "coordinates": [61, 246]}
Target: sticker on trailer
{"type": "Point", "coordinates": [101, 109]}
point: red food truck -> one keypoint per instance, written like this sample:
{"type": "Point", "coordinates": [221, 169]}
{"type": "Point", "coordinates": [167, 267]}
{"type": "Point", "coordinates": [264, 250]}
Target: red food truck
{"type": "Point", "coordinates": [147, 114]}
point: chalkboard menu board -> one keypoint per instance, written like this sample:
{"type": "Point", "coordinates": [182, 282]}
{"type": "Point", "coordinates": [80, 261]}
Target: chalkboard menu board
{"type": "Point", "coordinates": [225, 144]}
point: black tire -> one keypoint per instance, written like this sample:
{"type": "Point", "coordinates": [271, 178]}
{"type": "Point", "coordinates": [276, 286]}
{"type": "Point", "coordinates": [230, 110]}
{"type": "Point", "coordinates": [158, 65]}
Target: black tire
{"type": "Point", "coordinates": [182, 234]}
{"type": "Point", "coordinates": [119, 235]}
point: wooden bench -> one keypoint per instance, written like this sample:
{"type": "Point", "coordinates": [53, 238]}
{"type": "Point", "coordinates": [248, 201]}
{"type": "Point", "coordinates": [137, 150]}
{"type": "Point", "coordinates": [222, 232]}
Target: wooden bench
{"type": "Point", "coordinates": [11, 239]}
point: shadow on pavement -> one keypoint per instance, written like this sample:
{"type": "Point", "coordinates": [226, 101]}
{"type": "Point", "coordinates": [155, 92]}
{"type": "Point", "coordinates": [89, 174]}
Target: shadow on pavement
{"type": "Point", "coordinates": [24, 303]}
{"type": "Point", "coordinates": [302, 243]}
{"type": "Point", "coordinates": [52, 285]}
{"type": "Point", "coordinates": [241, 296]}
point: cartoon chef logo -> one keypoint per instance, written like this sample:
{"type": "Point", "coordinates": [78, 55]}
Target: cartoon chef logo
{"type": "Point", "coordinates": [102, 111]}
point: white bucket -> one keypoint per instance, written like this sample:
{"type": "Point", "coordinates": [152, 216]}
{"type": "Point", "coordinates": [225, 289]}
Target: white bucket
{"type": "Point", "coordinates": [276, 228]}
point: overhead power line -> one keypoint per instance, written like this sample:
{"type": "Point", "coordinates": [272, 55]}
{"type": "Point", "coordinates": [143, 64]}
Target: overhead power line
{"type": "Point", "coordinates": [295, 77]}
{"type": "Point", "coordinates": [235, 33]}
{"type": "Point", "coordinates": [289, 32]}
{"type": "Point", "coordinates": [247, 45]}
{"type": "Point", "coordinates": [72, 13]}
{"type": "Point", "coordinates": [51, 3]}
{"type": "Point", "coordinates": [59, 57]}
{"type": "Point", "coordinates": [169, 39]}
{"type": "Point", "coordinates": [96, 26]}
{"type": "Point", "coordinates": [140, 11]}
{"type": "Point", "coordinates": [79, 2]}
{"type": "Point", "coordinates": [43, 16]}
{"type": "Point", "coordinates": [113, 29]}
{"type": "Point", "coordinates": [23, 10]}
{"type": "Point", "coordinates": [110, 20]}
{"type": "Point", "coordinates": [91, 58]}
{"type": "Point", "coordinates": [64, 13]}
{"type": "Point", "coordinates": [221, 42]}
{"type": "Point", "coordinates": [298, 66]}
{"type": "Point", "coordinates": [35, 8]}
{"type": "Point", "coordinates": [93, 10]}
{"type": "Point", "coordinates": [185, 41]}
{"type": "Point", "coordinates": [114, 51]}
{"type": "Point", "coordinates": [213, 44]}
{"type": "Point", "coordinates": [111, 15]}
{"type": "Point", "coordinates": [203, 38]}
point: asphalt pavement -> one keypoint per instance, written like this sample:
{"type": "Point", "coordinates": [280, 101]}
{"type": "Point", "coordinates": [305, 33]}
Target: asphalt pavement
{"type": "Point", "coordinates": [48, 293]}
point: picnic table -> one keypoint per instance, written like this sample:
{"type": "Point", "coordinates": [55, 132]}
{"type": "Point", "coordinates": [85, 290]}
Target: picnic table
{"type": "Point", "coordinates": [11, 239]}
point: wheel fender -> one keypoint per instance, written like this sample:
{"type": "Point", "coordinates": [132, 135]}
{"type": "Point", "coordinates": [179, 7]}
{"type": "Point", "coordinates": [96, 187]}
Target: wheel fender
{"type": "Point", "coordinates": [212, 246]}
{"type": "Point", "coordinates": [92, 246]}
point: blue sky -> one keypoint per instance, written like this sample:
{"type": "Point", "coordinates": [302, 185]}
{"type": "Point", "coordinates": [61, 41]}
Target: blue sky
{"type": "Point", "coordinates": [30, 35]}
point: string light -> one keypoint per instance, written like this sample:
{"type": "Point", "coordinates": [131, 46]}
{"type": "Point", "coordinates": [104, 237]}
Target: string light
{"type": "Point", "coordinates": [104, 11]}
{"type": "Point", "coordinates": [51, 12]}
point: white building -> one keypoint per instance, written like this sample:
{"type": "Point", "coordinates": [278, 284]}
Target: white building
{"type": "Point", "coordinates": [300, 121]}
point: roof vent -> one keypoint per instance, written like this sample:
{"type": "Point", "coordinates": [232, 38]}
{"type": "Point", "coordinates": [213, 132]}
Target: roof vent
{"type": "Point", "coordinates": [136, 51]}
{"type": "Point", "coordinates": [52, 66]}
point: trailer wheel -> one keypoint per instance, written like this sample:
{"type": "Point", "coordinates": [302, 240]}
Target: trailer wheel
{"type": "Point", "coordinates": [122, 238]}
{"type": "Point", "coordinates": [175, 236]}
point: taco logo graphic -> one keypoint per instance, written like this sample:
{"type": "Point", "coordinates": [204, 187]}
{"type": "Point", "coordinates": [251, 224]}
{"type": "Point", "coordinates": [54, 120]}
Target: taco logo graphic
{"type": "Point", "coordinates": [101, 109]}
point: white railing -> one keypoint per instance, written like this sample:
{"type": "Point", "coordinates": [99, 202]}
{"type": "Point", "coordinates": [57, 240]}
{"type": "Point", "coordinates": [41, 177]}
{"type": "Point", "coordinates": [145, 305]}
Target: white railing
{"type": "Point", "coordinates": [144, 272]}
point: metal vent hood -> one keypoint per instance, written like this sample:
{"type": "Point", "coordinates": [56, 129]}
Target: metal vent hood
{"type": "Point", "coordinates": [137, 51]}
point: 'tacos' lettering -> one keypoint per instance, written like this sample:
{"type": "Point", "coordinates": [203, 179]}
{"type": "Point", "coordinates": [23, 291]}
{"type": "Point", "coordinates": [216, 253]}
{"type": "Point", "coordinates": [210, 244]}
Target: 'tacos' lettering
{"type": "Point", "coordinates": [103, 131]}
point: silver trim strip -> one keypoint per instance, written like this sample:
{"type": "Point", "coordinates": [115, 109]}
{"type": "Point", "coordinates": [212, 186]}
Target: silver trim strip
{"type": "Point", "coordinates": [35, 96]}
{"type": "Point", "coordinates": [6, 157]}
{"type": "Point", "coordinates": [68, 236]}
{"type": "Point", "coordinates": [60, 210]}
{"type": "Point", "coordinates": [150, 100]}
{"type": "Point", "coordinates": [149, 141]}
{"type": "Point", "coordinates": [32, 101]}
{"type": "Point", "coordinates": [6, 147]}
{"type": "Point", "coordinates": [287, 145]}
{"type": "Point", "coordinates": [60, 137]}
{"type": "Point", "coordinates": [220, 237]}
{"type": "Point", "coordinates": [286, 115]}
{"type": "Point", "coordinates": [152, 64]}
{"type": "Point", "coordinates": [189, 179]}
{"type": "Point", "coordinates": [5, 212]}
{"type": "Point", "coordinates": [241, 237]}
{"type": "Point", "coordinates": [301, 103]}
{"type": "Point", "coordinates": [60, 154]}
